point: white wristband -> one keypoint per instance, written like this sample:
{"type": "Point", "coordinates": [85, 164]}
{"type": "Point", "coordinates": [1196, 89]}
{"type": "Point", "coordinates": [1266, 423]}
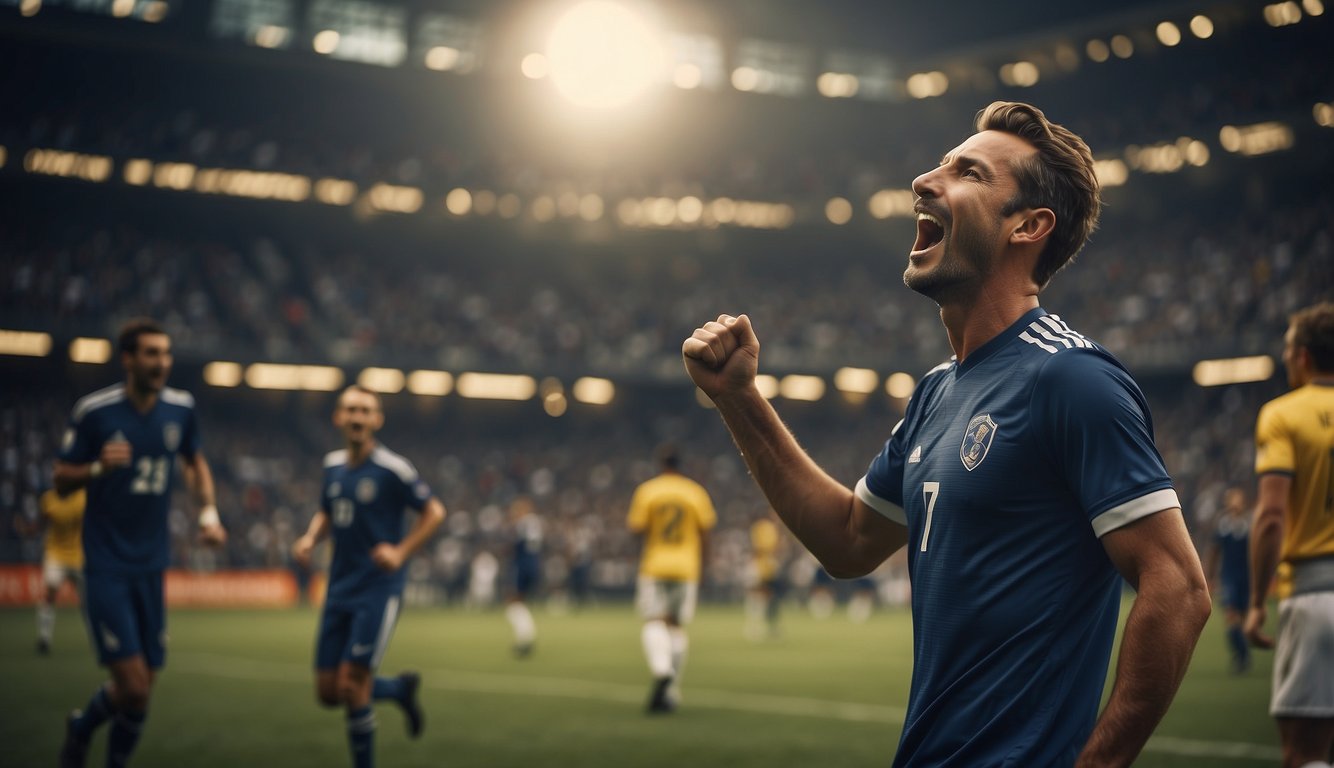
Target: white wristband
{"type": "Point", "coordinates": [95, 469]}
{"type": "Point", "coordinates": [209, 517]}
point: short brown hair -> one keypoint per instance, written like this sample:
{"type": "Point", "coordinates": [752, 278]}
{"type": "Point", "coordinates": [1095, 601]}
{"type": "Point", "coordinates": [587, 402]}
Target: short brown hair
{"type": "Point", "coordinates": [133, 329]}
{"type": "Point", "coordinates": [1313, 329]}
{"type": "Point", "coordinates": [1059, 177]}
{"type": "Point", "coordinates": [379, 405]}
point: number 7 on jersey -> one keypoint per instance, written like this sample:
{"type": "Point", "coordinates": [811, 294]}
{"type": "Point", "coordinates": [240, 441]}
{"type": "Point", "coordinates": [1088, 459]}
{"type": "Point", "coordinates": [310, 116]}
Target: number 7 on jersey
{"type": "Point", "coordinates": [930, 492]}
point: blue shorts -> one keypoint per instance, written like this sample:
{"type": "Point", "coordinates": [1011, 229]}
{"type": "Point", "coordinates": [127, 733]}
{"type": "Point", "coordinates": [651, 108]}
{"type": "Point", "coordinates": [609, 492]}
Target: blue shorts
{"type": "Point", "coordinates": [356, 632]}
{"type": "Point", "coordinates": [126, 616]}
{"type": "Point", "coordinates": [1236, 594]}
{"type": "Point", "coordinates": [527, 577]}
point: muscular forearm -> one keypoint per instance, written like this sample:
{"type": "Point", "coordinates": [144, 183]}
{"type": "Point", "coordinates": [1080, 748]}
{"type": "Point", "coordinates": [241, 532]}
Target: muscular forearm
{"type": "Point", "coordinates": [319, 525]}
{"type": "Point", "coordinates": [427, 522]}
{"type": "Point", "coordinates": [1159, 638]}
{"type": "Point", "coordinates": [814, 506]}
{"type": "Point", "coordinates": [200, 481]}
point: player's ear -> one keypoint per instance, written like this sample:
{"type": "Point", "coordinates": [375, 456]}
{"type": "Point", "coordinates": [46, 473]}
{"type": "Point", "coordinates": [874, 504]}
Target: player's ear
{"type": "Point", "coordinates": [1034, 226]}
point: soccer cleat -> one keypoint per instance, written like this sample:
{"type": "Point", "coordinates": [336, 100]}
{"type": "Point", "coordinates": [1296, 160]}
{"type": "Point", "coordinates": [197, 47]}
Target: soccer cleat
{"type": "Point", "coordinates": [659, 703]}
{"type": "Point", "coordinates": [43, 647]}
{"type": "Point", "coordinates": [523, 650]}
{"type": "Point", "coordinates": [412, 708]}
{"type": "Point", "coordinates": [74, 752]}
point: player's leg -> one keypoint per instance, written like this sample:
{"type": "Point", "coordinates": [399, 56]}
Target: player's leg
{"type": "Point", "coordinates": [331, 642]}
{"type": "Point", "coordinates": [108, 611]}
{"type": "Point", "coordinates": [651, 602]}
{"type": "Point", "coordinates": [682, 611]}
{"type": "Point", "coordinates": [53, 575]}
{"type": "Point", "coordinates": [354, 690]}
{"type": "Point", "coordinates": [132, 678]}
{"type": "Point", "coordinates": [372, 628]}
{"type": "Point", "coordinates": [1303, 698]}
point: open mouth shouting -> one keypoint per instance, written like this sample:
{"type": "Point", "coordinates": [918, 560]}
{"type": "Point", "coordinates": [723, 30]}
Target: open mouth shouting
{"type": "Point", "coordinates": [930, 233]}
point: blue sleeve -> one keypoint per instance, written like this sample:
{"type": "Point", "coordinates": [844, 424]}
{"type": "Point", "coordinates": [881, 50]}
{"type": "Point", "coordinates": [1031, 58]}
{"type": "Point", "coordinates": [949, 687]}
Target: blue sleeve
{"type": "Point", "coordinates": [324, 495]}
{"type": "Point", "coordinates": [1096, 427]}
{"type": "Point", "coordinates": [79, 444]}
{"type": "Point", "coordinates": [414, 490]}
{"type": "Point", "coordinates": [190, 435]}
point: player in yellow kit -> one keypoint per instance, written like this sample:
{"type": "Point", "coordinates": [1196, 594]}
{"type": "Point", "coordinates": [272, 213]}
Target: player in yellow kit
{"type": "Point", "coordinates": [763, 580]}
{"type": "Point", "coordinates": [673, 514]}
{"type": "Point", "coordinates": [1294, 524]}
{"type": "Point", "coordinates": [62, 559]}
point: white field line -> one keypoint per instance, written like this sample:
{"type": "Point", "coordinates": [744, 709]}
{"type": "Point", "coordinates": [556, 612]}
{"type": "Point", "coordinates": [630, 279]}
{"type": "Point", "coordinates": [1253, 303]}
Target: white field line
{"type": "Point", "coordinates": [215, 665]}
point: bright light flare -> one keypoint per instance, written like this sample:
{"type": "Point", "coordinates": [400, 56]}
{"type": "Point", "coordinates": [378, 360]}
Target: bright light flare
{"type": "Point", "coordinates": [603, 55]}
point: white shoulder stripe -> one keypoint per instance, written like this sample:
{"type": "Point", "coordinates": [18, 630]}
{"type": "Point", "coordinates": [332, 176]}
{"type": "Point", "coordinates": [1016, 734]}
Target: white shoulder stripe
{"type": "Point", "coordinates": [1031, 339]}
{"type": "Point", "coordinates": [1066, 326]}
{"type": "Point", "coordinates": [1044, 334]}
{"type": "Point", "coordinates": [99, 399]}
{"type": "Point", "coordinates": [1064, 330]}
{"type": "Point", "coordinates": [885, 507]}
{"type": "Point", "coordinates": [394, 463]}
{"type": "Point", "coordinates": [178, 397]}
{"type": "Point", "coordinates": [335, 458]}
{"type": "Point", "coordinates": [1129, 512]}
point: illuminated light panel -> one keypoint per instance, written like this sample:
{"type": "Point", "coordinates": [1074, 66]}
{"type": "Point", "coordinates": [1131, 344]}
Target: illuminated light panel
{"type": "Point", "coordinates": [767, 385]}
{"type": "Point", "coordinates": [4, 155]}
{"type": "Point", "coordinates": [271, 36]}
{"type": "Point", "coordinates": [496, 386]}
{"type": "Point", "coordinates": [326, 41]}
{"type": "Point", "coordinates": [799, 387]}
{"type": "Point", "coordinates": [508, 206]}
{"type": "Point", "coordinates": [838, 210]}
{"type": "Point", "coordinates": [1202, 27]}
{"type": "Point", "coordinates": [837, 85]}
{"type": "Point", "coordinates": [442, 58]}
{"type": "Point", "coordinates": [433, 383]}
{"type": "Point", "coordinates": [1123, 47]}
{"type": "Point", "coordinates": [1168, 33]}
{"type": "Point", "coordinates": [1323, 114]}
{"type": "Point", "coordinates": [745, 79]}
{"type": "Point", "coordinates": [88, 350]}
{"type": "Point", "coordinates": [1097, 51]}
{"type": "Point", "coordinates": [555, 404]}
{"type": "Point", "coordinates": [549, 385]}
{"type": "Point", "coordinates": [689, 209]}
{"type": "Point", "coordinates": [30, 7]}
{"type": "Point", "coordinates": [1237, 370]}
{"type": "Point", "coordinates": [900, 385]}
{"type": "Point", "coordinates": [543, 208]}
{"type": "Point", "coordinates": [1159, 158]}
{"type": "Point", "coordinates": [387, 381]}
{"type": "Point", "coordinates": [257, 185]}
{"type": "Point", "coordinates": [1258, 139]}
{"type": "Point", "coordinates": [332, 191]}
{"type": "Point", "coordinates": [25, 343]}
{"type": "Point", "coordinates": [687, 76]}
{"type": "Point", "coordinates": [312, 378]}
{"type": "Point", "coordinates": [593, 391]}
{"type": "Point", "coordinates": [154, 11]}
{"type": "Point", "coordinates": [1111, 173]}
{"type": "Point", "coordinates": [223, 374]}
{"type": "Point", "coordinates": [137, 172]}
{"type": "Point", "coordinates": [860, 381]}
{"type": "Point", "coordinates": [534, 66]}
{"type": "Point", "coordinates": [177, 176]}
{"type": "Point", "coordinates": [590, 207]}
{"type": "Point", "coordinates": [395, 199]}
{"type": "Point", "coordinates": [1021, 74]}
{"type": "Point", "coordinates": [567, 204]}
{"type": "Point", "coordinates": [1067, 58]}
{"type": "Point", "coordinates": [1313, 7]}
{"type": "Point", "coordinates": [892, 202]}
{"type": "Point", "coordinates": [603, 55]}
{"type": "Point", "coordinates": [69, 165]}
{"type": "Point", "coordinates": [458, 201]}
{"type": "Point", "coordinates": [484, 202]}
{"type": "Point", "coordinates": [926, 85]}
{"type": "Point", "coordinates": [122, 8]}
{"type": "Point", "coordinates": [1282, 14]}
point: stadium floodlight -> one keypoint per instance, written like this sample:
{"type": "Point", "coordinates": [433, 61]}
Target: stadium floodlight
{"type": "Point", "coordinates": [838, 210]}
{"type": "Point", "coordinates": [313, 378]}
{"type": "Point", "coordinates": [25, 343]}
{"type": "Point", "coordinates": [1236, 370]}
{"type": "Point", "coordinates": [594, 391]}
{"type": "Point", "coordinates": [858, 381]}
{"type": "Point", "coordinates": [1202, 27]}
{"type": "Point", "coordinates": [222, 374]}
{"type": "Point", "coordinates": [434, 383]}
{"type": "Point", "coordinates": [767, 385]}
{"type": "Point", "coordinates": [496, 386]}
{"type": "Point", "coordinates": [603, 54]}
{"type": "Point", "coordinates": [798, 387]}
{"type": "Point", "coordinates": [86, 350]}
{"type": "Point", "coordinates": [900, 385]}
{"type": "Point", "coordinates": [387, 381]}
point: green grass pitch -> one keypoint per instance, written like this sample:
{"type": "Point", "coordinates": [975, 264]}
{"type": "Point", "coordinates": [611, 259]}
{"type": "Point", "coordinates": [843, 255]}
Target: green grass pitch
{"type": "Point", "coordinates": [237, 691]}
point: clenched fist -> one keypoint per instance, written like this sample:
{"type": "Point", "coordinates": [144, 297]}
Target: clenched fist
{"type": "Point", "coordinates": [723, 355]}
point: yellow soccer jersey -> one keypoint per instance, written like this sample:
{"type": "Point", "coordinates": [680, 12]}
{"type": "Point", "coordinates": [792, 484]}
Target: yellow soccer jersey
{"type": "Point", "coordinates": [764, 548]}
{"type": "Point", "coordinates": [64, 515]}
{"type": "Point", "coordinates": [672, 512]}
{"type": "Point", "coordinates": [1294, 435]}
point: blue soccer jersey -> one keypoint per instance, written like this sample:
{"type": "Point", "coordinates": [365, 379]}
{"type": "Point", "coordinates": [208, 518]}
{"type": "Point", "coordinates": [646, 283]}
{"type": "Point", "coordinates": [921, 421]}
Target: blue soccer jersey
{"type": "Point", "coordinates": [1007, 469]}
{"type": "Point", "coordinates": [366, 504]}
{"type": "Point", "coordinates": [125, 523]}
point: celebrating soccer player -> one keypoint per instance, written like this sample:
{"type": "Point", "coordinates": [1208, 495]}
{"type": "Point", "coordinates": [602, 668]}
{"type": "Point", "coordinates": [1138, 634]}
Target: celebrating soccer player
{"type": "Point", "coordinates": [121, 445]}
{"type": "Point", "coordinates": [1023, 478]}
{"type": "Point", "coordinates": [366, 490]}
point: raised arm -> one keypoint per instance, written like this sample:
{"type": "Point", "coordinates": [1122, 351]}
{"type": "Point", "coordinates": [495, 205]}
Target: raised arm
{"type": "Point", "coordinates": [847, 536]}
{"type": "Point", "coordinates": [1155, 555]}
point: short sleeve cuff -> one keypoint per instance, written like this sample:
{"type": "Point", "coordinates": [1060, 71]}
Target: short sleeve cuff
{"type": "Point", "coordinates": [885, 507]}
{"type": "Point", "coordinates": [1127, 513]}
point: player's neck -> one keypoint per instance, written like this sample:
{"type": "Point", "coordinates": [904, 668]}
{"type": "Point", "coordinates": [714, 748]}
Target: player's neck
{"type": "Point", "coordinates": [142, 400]}
{"type": "Point", "coordinates": [970, 324]}
{"type": "Point", "coordinates": [359, 452]}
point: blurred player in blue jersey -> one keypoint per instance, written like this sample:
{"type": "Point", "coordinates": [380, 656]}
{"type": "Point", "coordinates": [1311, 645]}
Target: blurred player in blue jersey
{"type": "Point", "coordinates": [1229, 564]}
{"type": "Point", "coordinates": [1294, 526]}
{"type": "Point", "coordinates": [366, 491]}
{"type": "Point", "coordinates": [526, 574]}
{"type": "Point", "coordinates": [1023, 479]}
{"type": "Point", "coordinates": [121, 445]}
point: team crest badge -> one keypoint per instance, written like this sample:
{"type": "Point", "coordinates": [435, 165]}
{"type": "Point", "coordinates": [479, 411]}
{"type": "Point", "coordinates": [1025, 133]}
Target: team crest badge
{"type": "Point", "coordinates": [171, 436]}
{"type": "Point", "coordinates": [977, 441]}
{"type": "Point", "coordinates": [366, 490]}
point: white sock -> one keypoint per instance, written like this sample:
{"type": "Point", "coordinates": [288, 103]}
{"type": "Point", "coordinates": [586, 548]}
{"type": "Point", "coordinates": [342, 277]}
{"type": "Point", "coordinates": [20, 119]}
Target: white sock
{"type": "Point", "coordinates": [680, 644]}
{"type": "Point", "coordinates": [1316, 764]}
{"type": "Point", "coordinates": [521, 621]}
{"type": "Point", "coordinates": [46, 621]}
{"type": "Point", "coordinates": [657, 648]}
